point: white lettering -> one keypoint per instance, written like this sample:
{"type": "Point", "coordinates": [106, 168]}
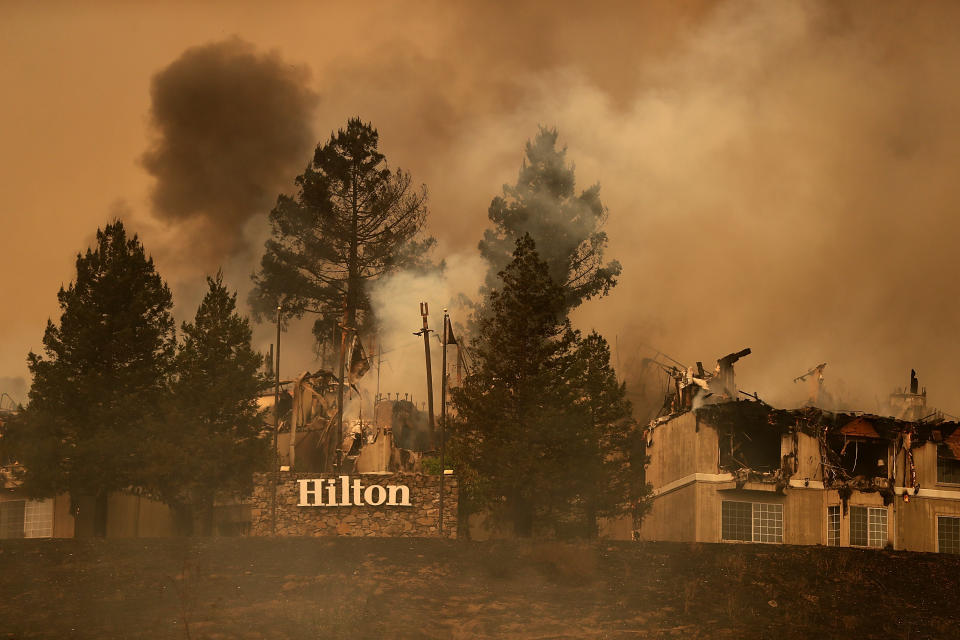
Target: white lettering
{"type": "Point", "coordinates": [332, 494]}
{"type": "Point", "coordinates": [310, 495]}
{"type": "Point", "coordinates": [350, 492]}
{"type": "Point", "coordinates": [393, 491]}
{"type": "Point", "coordinates": [381, 495]}
{"type": "Point", "coordinates": [355, 487]}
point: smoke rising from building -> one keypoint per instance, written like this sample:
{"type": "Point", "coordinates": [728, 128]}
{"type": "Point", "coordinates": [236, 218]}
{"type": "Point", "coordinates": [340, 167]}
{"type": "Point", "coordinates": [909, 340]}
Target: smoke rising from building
{"type": "Point", "coordinates": [396, 301]}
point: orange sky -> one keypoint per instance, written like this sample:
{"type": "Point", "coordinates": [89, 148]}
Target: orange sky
{"type": "Point", "coordinates": [779, 175]}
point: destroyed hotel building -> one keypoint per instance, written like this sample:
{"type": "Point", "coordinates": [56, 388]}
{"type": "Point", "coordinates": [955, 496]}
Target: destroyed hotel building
{"type": "Point", "coordinates": [726, 469]}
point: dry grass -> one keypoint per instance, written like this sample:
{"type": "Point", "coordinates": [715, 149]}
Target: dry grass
{"type": "Point", "coordinates": [403, 588]}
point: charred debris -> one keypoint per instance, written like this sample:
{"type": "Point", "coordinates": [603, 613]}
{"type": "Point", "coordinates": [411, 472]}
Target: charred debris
{"type": "Point", "coordinates": [858, 451]}
{"type": "Point", "coordinates": [395, 438]}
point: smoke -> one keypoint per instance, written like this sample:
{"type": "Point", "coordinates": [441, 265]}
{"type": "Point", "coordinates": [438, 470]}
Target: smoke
{"type": "Point", "coordinates": [233, 128]}
{"type": "Point", "coordinates": [778, 175]}
{"type": "Point", "coordinates": [396, 302]}
{"type": "Point", "coordinates": [782, 182]}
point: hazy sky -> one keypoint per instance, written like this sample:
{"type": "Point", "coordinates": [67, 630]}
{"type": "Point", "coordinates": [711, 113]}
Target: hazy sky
{"type": "Point", "coordinates": [779, 175]}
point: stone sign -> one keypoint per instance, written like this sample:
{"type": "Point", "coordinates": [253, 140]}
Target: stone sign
{"type": "Point", "coordinates": [385, 505]}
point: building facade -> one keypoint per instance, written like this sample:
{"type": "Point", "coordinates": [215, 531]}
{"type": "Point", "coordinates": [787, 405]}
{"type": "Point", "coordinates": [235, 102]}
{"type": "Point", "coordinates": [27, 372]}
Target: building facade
{"type": "Point", "coordinates": [126, 516]}
{"type": "Point", "coordinates": [742, 471]}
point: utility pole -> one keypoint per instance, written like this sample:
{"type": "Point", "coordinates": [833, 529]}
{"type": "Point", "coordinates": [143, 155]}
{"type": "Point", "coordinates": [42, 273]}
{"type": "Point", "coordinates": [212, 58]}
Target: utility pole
{"type": "Point", "coordinates": [276, 432]}
{"type": "Point", "coordinates": [425, 332]}
{"type": "Point", "coordinates": [443, 414]}
{"type": "Point", "coordinates": [343, 348]}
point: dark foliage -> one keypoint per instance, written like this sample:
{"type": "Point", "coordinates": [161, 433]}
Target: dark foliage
{"type": "Point", "coordinates": [351, 221]}
{"type": "Point", "coordinates": [543, 431]}
{"type": "Point", "coordinates": [103, 378]}
{"type": "Point", "coordinates": [211, 442]}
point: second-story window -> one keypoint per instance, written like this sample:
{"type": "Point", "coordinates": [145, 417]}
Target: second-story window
{"type": "Point", "coordinates": [948, 467]}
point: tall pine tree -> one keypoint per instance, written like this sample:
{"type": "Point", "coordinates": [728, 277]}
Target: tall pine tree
{"type": "Point", "coordinates": [351, 221]}
{"type": "Point", "coordinates": [102, 379]}
{"type": "Point", "coordinates": [610, 477]}
{"type": "Point", "coordinates": [541, 423]}
{"type": "Point", "coordinates": [211, 443]}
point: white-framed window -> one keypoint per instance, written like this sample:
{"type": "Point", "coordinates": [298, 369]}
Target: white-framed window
{"type": "Point", "coordinates": [751, 521]}
{"type": "Point", "coordinates": [833, 526]}
{"type": "Point", "coordinates": [948, 467]}
{"type": "Point", "coordinates": [868, 527]}
{"type": "Point", "coordinates": [948, 534]}
{"type": "Point", "coordinates": [38, 519]}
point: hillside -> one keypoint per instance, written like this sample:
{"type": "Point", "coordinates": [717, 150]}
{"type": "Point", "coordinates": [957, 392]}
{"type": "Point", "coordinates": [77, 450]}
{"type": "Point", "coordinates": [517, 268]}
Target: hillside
{"type": "Point", "coordinates": [419, 588]}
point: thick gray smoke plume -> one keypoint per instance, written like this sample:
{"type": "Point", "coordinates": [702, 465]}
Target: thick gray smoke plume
{"type": "Point", "coordinates": [779, 175]}
{"type": "Point", "coordinates": [233, 129]}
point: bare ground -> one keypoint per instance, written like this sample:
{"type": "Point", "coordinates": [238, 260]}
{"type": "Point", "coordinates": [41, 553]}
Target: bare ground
{"type": "Point", "coordinates": [419, 588]}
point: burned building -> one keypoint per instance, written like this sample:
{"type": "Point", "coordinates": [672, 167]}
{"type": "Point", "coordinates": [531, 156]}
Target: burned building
{"type": "Point", "coordinates": [727, 467]}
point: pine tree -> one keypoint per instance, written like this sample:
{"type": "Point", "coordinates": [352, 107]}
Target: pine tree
{"type": "Point", "coordinates": [212, 443]}
{"type": "Point", "coordinates": [537, 437]}
{"type": "Point", "coordinates": [610, 476]}
{"type": "Point", "coordinates": [103, 377]}
{"type": "Point", "coordinates": [352, 220]}
{"type": "Point", "coordinates": [567, 228]}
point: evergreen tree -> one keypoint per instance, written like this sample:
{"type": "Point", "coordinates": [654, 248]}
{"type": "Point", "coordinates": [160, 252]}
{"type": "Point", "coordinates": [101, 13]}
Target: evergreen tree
{"type": "Point", "coordinates": [566, 227]}
{"type": "Point", "coordinates": [351, 221]}
{"type": "Point", "coordinates": [611, 473]}
{"type": "Point", "coordinates": [211, 444]}
{"type": "Point", "coordinates": [535, 438]}
{"type": "Point", "coordinates": [102, 379]}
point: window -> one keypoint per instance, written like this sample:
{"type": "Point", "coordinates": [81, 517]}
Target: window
{"type": "Point", "coordinates": [11, 519]}
{"type": "Point", "coordinates": [737, 521]}
{"type": "Point", "coordinates": [948, 468]}
{"type": "Point", "coordinates": [751, 521]}
{"type": "Point", "coordinates": [833, 526]}
{"type": "Point", "coordinates": [948, 534]}
{"type": "Point", "coordinates": [868, 526]}
{"type": "Point", "coordinates": [38, 519]}
{"type": "Point", "coordinates": [767, 522]}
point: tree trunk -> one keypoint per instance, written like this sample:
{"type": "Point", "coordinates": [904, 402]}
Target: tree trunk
{"type": "Point", "coordinates": [206, 524]}
{"type": "Point", "coordinates": [100, 515]}
{"type": "Point", "coordinates": [521, 512]}
{"type": "Point", "coordinates": [590, 521]}
{"type": "Point", "coordinates": [183, 519]}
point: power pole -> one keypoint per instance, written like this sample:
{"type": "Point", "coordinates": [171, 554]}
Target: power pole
{"type": "Point", "coordinates": [425, 332]}
{"type": "Point", "coordinates": [276, 433]}
{"type": "Point", "coordinates": [443, 413]}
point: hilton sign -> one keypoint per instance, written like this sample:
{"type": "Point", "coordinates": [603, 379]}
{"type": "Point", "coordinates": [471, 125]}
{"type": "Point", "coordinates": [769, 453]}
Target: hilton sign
{"type": "Point", "coordinates": [343, 492]}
